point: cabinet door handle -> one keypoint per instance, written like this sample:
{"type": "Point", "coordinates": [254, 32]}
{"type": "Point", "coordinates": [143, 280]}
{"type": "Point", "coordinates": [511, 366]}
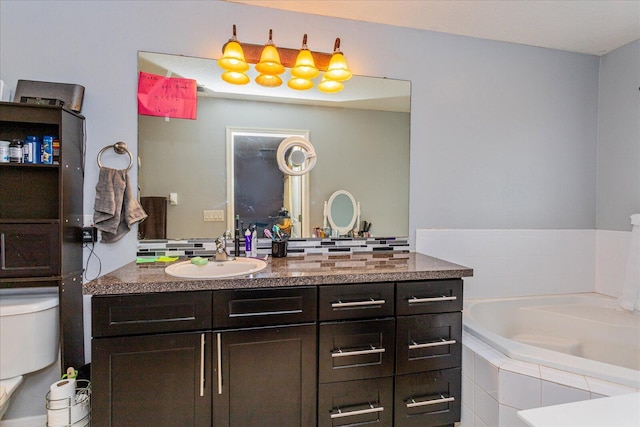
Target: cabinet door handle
{"type": "Point", "coordinates": [2, 251]}
{"type": "Point", "coordinates": [219, 362]}
{"type": "Point", "coordinates": [413, 404]}
{"type": "Point", "coordinates": [338, 413]}
{"type": "Point", "coordinates": [202, 343]}
{"type": "Point", "coordinates": [415, 300]}
{"type": "Point", "coordinates": [372, 350]}
{"type": "Point", "coordinates": [414, 345]}
{"type": "Point", "coordinates": [364, 303]}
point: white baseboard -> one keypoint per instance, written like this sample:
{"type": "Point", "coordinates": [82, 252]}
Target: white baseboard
{"type": "Point", "coordinates": [35, 421]}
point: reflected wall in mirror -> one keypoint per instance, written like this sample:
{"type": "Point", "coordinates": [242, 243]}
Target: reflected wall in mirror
{"type": "Point", "coordinates": [360, 135]}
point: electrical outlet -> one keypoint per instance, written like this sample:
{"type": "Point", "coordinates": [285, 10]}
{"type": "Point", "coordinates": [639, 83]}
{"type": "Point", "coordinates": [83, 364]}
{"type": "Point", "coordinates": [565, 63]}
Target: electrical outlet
{"type": "Point", "coordinates": [89, 234]}
{"type": "Point", "coordinates": [87, 220]}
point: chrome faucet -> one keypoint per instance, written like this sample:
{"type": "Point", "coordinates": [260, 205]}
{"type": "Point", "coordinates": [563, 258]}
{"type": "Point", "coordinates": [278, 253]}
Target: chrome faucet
{"type": "Point", "coordinates": [221, 250]}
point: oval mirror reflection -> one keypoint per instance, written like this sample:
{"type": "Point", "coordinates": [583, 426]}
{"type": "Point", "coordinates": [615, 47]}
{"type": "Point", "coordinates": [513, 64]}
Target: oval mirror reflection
{"type": "Point", "coordinates": [343, 212]}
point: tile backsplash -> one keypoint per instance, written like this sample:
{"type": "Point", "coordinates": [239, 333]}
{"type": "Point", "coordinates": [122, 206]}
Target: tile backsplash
{"type": "Point", "coordinates": [296, 247]}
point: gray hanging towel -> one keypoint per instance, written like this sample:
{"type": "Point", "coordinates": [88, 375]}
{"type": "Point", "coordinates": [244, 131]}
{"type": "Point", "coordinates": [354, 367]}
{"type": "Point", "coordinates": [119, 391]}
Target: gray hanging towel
{"type": "Point", "coordinates": [116, 208]}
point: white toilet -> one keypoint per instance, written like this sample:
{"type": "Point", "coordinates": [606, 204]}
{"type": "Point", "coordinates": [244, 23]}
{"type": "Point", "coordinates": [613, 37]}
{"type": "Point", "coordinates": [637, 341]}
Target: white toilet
{"type": "Point", "coordinates": [29, 336]}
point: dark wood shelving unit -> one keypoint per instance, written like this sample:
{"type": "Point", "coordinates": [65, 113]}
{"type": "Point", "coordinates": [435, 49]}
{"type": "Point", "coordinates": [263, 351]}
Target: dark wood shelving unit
{"type": "Point", "coordinates": [41, 216]}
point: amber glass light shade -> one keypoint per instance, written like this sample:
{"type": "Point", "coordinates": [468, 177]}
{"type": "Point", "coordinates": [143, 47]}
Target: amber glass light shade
{"type": "Point", "coordinates": [235, 77]}
{"type": "Point", "coordinates": [270, 60]}
{"type": "Point", "coordinates": [338, 69]}
{"type": "Point", "coordinates": [330, 86]}
{"type": "Point", "coordinates": [305, 66]}
{"type": "Point", "coordinates": [298, 83]}
{"type": "Point", "coordinates": [268, 80]}
{"type": "Point", "coordinates": [233, 58]}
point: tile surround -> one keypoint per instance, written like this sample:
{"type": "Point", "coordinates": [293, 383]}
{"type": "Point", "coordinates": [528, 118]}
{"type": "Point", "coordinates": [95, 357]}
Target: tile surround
{"type": "Point", "coordinates": [510, 263]}
{"type": "Point", "coordinates": [520, 385]}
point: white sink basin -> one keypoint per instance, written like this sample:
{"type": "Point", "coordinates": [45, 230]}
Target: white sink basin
{"type": "Point", "coordinates": [216, 269]}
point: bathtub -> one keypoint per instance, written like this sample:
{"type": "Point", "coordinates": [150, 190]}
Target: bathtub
{"type": "Point", "coordinates": [586, 334]}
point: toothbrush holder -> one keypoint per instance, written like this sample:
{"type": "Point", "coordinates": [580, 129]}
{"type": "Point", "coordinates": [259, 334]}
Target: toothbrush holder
{"type": "Point", "coordinates": [279, 248]}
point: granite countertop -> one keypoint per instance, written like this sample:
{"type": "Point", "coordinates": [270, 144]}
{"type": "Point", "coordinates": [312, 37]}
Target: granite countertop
{"type": "Point", "coordinates": [291, 271]}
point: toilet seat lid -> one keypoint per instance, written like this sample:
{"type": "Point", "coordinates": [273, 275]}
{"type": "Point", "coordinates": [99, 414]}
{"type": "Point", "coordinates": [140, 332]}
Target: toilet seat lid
{"type": "Point", "coordinates": [3, 395]}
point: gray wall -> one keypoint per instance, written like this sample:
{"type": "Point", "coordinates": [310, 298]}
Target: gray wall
{"type": "Point", "coordinates": [502, 135]}
{"type": "Point", "coordinates": [619, 138]}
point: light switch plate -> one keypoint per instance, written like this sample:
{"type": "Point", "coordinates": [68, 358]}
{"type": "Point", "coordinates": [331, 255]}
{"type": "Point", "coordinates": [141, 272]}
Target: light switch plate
{"type": "Point", "coordinates": [211, 215]}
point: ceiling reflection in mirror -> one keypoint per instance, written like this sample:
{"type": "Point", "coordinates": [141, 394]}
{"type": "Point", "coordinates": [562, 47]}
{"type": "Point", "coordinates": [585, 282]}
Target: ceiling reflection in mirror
{"type": "Point", "coordinates": [360, 135]}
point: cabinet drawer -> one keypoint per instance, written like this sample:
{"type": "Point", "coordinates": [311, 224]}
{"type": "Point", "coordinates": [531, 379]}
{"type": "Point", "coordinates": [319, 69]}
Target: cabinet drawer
{"type": "Point", "coordinates": [356, 350]}
{"type": "Point", "coordinates": [428, 342]}
{"type": "Point", "coordinates": [264, 307]}
{"type": "Point", "coordinates": [430, 296]}
{"type": "Point", "coordinates": [150, 313]}
{"type": "Point", "coordinates": [361, 403]}
{"type": "Point", "coordinates": [28, 250]}
{"type": "Point", "coordinates": [356, 301]}
{"type": "Point", "coordinates": [428, 399]}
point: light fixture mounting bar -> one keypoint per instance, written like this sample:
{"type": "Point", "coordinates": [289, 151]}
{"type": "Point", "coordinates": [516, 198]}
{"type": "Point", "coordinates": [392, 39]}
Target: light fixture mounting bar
{"type": "Point", "coordinates": [288, 56]}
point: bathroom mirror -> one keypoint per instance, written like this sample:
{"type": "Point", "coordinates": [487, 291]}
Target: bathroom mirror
{"type": "Point", "coordinates": [343, 213]}
{"type": "Point", "coordinates": [360, 136]}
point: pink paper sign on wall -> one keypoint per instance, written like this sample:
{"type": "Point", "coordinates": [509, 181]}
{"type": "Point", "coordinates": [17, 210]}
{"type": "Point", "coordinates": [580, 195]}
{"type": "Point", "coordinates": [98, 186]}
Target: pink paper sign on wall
{"type": "Point", "coordinates": [167, 96]}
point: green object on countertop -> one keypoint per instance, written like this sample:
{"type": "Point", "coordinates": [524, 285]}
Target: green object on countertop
{"type": "Point", "coordinates": [144, 260]}
{"type": "Point", "coordinates": [199, 260]}
{"type": "Point", "coordinates": [168, 258]}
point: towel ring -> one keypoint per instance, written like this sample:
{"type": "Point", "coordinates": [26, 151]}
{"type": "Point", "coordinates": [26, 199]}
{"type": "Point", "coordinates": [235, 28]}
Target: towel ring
{"type": "Point", "coordinates": [120, 148]}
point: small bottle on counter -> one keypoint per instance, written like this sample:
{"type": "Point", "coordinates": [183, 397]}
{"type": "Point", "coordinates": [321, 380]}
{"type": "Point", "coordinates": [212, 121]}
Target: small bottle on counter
{"type": "Point", "coordinates": [247, 243]}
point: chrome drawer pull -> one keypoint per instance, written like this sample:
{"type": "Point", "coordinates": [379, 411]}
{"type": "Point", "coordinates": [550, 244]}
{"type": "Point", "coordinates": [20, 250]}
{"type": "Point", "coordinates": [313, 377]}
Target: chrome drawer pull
{"type": "Point", "coordinates": [219, 362]}
{"type": "Point", "coordinates": [414, 404]}
{"type": "Point", "coordinates": [365, 303]}
{"type": "Point", "coordinates": [372, 409]}
{"type": "Point", "coordinates": [415, 300]}
{"type": "Point", "coordinates": [372, 350]}
{"type": "Point", "coordinates": [202, 344]}
{"type": "Point", "coordinates": [415, 346]}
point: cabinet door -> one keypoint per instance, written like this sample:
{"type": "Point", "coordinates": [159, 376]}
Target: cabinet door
{"type": "Point", "coordinates": [428, 398]}
{"type": "Point", "coordinates": [361, 403]}
{"type": "Point", "coordinates": [359, 301]}
{"type": "Point", "coordinates": [356, 350]}
{"type": "Point", "coordinates": [155, 381]}
{"type": "Point", "coordinates": [266, 377]}
{"type": "Point", "coordinates": [29, 249]}
{"type": "Point", "coordinates": [429, 342]}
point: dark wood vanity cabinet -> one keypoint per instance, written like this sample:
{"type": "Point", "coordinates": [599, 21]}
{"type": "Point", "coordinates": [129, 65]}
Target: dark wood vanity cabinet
{"type": "Point", "coordinates": [383, 354]}
{"type": "Point", "coordinates": [41, 208]}
{"type": "Point", "coordinates": [152, 360]}
{"type": "Point", "coordinates": [390, 354]}
{"type": "Point", "coordinates": [265, 357]}
{"type": "Point", "coordinates": [223, 358]}
{"type": "Point", "coordinates": [428, 353]}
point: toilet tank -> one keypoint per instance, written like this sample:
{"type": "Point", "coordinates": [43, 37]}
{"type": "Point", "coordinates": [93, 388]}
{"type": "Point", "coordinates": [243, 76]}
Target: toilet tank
{"type": "Point", "coordinates": [29, 330]}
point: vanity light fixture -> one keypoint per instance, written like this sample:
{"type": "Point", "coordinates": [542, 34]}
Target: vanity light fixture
{"type": "Point", "coordinates": [233, 62]}
{"type": "Point", "coordinates": [304, 70]}
{"type": "Point", "coordinates": [269, 66]}
{"type": "Point", "coordinates": [338, 69]}
{"type": "Point", "coordinates": [270, 61]}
